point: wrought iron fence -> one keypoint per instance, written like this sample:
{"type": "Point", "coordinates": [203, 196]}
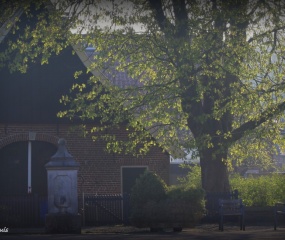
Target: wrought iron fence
{"type": "Point", "coordinates": [23, 211]}
{"type": "Point", "coordinates": [30, 210]}
{"type": "Point", "coordinates": [105, 209]}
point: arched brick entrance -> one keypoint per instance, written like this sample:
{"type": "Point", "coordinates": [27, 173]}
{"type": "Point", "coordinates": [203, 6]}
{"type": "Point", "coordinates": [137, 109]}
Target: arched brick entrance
{"type": "Point", "coordinates": [14, 166]}
{"type": "Point", "coordinates": [25, 137]}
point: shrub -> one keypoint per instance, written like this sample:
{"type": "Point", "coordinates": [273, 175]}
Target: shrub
{"type": "Point", "coordinates": [188, 202]}
{"type": "Point", "coordinates": [152, 203]}
{"type": "Point", "coordinates": [149, 187]}
{"type": "Point", "coordinates": [146, 195]}
{"type": "Point", "coordinates": [260, 191]}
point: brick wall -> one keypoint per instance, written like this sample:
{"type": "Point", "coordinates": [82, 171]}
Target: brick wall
{"type": "Point", "coordinates": [100, 172]}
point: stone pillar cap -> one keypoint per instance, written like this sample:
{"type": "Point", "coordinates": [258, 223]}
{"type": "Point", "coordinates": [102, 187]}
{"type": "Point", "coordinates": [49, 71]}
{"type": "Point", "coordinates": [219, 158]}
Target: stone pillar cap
{"type": "Point", "coordinates": [62, 158]}
{"type": "Point", "coordinates": [61, 151]}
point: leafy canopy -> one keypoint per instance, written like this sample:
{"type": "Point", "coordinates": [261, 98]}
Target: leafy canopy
{"type": "Point", "coordinates": [201, 74]}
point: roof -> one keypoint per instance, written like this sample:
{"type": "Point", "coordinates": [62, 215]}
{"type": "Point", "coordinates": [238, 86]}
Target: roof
{"type": "Point", "coordinates": [33, 97]}
{"type": "Point", "coordinates": [117, 78]}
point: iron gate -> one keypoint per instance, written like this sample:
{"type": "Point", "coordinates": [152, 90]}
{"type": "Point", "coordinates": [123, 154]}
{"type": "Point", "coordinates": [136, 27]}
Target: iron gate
{"type": "Point", "coordinates": [101, 210]}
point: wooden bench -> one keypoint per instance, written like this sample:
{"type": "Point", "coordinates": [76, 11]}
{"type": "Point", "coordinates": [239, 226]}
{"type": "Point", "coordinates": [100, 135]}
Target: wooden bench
{"type": "Point", "coordinates": [231, 207]}
{"type": "Point", "coordinates": [212, 203]}
{"type": "Point", "coordinates": [279, 209]}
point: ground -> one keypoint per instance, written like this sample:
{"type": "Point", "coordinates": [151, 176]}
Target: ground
{"type": "Point", "coordinates": [204, 231]}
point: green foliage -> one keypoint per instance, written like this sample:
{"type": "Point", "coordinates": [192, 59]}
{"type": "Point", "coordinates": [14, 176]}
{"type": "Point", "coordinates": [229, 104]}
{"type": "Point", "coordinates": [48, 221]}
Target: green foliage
{"type": "Point", "coordinates": [257, 149]}
{"type": "Point", "coordinates": [147, 194]}
{"type": "Point", "coordinates": [190, 202]}
{"type": "Point", "coordinates": [263, 190]}
{"type": "Point", "coordinates": [153, 203]}
{"type": "Point", "coordinates": [185, 193]}
{"type": "Point", "coordinates": [205, 76]}
{"type": "Point", "coordinates": [193, 178]}
{"type": "Point", "coordinates": [149, 187]}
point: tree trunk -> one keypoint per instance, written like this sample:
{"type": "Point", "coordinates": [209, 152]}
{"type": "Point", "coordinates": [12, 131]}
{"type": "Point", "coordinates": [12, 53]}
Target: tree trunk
{"type": "Point", "coordinates": [215, 177]}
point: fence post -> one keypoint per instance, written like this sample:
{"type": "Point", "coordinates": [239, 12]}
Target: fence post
{"type": "Point", "coordinates": [35, 202]}
{"type": "Point", "coordinates": [235, 194]}
{"type": "Point", "coordinates": [126, 208]}
{"type": "Point", "coordinates": [96, 209]}
{"type": "Point", "coordinates": [83, 210]}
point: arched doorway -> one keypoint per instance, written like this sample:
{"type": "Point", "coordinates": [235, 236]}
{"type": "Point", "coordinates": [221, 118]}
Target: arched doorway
{"type": "Point", "coordinates": [14, 167]}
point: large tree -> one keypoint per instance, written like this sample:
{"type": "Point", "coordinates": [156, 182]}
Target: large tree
{"type": "Point", "coordinates": [202, 74]}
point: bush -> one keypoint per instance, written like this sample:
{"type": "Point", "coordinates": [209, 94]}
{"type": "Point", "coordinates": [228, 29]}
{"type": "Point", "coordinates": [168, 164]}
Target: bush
{"type": "Point", "coordinates": [152, 203]}
{"type": "Point", "coordinates": [188, 202]}
{"type": "Point", "coordinates": [260, 191]}
{"type": "Point", "coordinates": [149, 187]}
{"type": "Point", "coordinates": [146, 196]}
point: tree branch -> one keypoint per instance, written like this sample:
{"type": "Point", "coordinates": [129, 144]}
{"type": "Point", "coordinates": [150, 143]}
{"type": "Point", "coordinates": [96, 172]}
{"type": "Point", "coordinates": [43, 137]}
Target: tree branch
{"type": "Point", "coordinates": [274, 30]}
{"type": "Point", "coordinates": [251, 125]}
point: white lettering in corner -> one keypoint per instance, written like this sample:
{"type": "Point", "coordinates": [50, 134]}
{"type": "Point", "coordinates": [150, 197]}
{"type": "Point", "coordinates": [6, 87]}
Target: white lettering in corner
{"type": "Point", "coordinates": [4, 229]}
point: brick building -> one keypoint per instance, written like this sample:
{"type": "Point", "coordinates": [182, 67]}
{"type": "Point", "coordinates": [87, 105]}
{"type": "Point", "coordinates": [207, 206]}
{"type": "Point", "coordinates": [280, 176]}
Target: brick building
{"type": "Point", "coordinates": [30, 129]}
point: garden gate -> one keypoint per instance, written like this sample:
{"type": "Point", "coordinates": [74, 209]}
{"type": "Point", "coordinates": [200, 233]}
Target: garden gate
{"type": "Point", "coordinates": [101, 210]}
